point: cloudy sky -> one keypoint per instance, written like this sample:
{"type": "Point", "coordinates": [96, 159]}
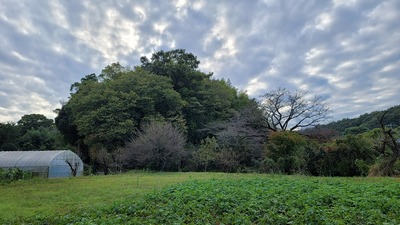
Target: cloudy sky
{"type": "Point", "coordinates": [345, 50]}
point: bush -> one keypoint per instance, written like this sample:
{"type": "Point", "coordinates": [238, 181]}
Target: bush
{"type": "Point", "coordinates": [160, 146]}
{"type": "Point", "coordinates": [287, 150]}
{"type": "Point", "coordinates": [13, 174]}
{"type": "Point", "coordinates": [9, 147]}
{"type": "Point", "coordinates": [362, 167]}
{"type": "Point", "coordinates": [348, 156]}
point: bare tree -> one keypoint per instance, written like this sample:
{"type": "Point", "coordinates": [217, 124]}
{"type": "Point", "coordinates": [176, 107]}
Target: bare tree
{"type": "Point", "coordinates": [285, 110]}
{"type": "Point", "coordinates": [159, 146]}
{"type": "Point", "coordinates": [74, 167]}
{"type": "Point", "coordinates": [244, 134]}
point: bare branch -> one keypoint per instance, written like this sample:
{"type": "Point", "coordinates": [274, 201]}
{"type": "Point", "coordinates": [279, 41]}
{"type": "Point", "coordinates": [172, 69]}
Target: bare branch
{"type": "Point", "coordinates": [388, 141]}
{"type": "Point", "coordinates": [285, 110]}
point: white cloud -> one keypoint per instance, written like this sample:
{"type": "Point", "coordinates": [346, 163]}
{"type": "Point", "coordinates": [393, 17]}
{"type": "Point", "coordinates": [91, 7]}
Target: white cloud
{"type": "Point", "coordinates": [346, 50]}
{"type": "Point", "coordinates": [255, 86]}
{"type": "Point", "coordinates": [344, 3]}
{"type": "Point", "coordinates": [323, 21]}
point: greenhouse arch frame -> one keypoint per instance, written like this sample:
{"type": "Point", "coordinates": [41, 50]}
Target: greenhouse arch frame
{"type": "Point", "coordinates": [51, 164]}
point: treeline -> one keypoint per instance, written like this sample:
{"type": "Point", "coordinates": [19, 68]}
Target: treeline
{"type": "Point", "coordinates": [31, 132]}
{"type": "Point", "coordinates": [167, 115]}
{"type": "Point", "coordinates": [365, 122]}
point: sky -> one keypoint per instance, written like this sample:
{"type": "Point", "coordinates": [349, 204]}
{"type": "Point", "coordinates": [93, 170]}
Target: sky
{"type": "Point", "coordinates": [347, 51]}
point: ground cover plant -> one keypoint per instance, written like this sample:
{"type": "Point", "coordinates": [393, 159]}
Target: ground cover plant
{"type": "Point", "coordinates": [13, 174]}
{"type": "Point", "coordinates": [48, 198]}
{"type": "Point", "coordinates": [253, 199]}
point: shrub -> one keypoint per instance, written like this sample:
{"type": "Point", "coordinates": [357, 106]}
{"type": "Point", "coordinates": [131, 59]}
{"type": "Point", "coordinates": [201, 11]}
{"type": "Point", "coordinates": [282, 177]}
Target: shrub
{"type": "Point", "coordinates": [348, 156]}
{"type": "Point", "coordinates": [160, 146]}
{"type": "Point", "coordinates": [287, 150]}
{"type": "Point", "coordinates": [13, 174]}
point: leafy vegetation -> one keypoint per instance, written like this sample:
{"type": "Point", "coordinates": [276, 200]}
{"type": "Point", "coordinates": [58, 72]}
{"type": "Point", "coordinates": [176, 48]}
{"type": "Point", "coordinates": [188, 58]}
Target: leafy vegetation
{"type": "Point", "coordinates": [47, 198]}
{"type": "Point", "coordinates": [106, 110]}
{"type": "Point", "coordinates": [13, 174]}
{"type": "Point", "coordinates": [254, 199]}
{"type": "Point", "coordinates": [31, 132]}
{"type": "Point", "coordinates": [366, 122]}
{"type": "Point", "coordinates": [199, 123]}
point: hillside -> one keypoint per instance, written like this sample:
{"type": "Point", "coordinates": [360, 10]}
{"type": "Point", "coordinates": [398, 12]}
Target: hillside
{"type": "Point", "coordinates": [366, 121]}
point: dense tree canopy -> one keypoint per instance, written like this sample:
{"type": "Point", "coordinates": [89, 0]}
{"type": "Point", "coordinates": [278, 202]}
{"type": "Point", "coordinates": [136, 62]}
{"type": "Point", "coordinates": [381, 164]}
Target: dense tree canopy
{"type": "Point", "coordinates": [205, 99]}
{"type": "Point", "coordinates": [9, 134]}
{"type": "Point", "coordinates": [166, 114]}
{"type": "Point", "coordinates": [107, 111]}
{"type": "Point", "coordinates": [366, 121]}
{"type": "Point", "coordinates": [32, 132]}
{"type": "Point", "coordinates": [107, 108]}
{"type": "Point", "coordinates": [34, 121]}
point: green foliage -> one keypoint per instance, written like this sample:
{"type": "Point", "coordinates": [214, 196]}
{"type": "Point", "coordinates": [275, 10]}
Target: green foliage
{"type": "Point", "coordinates": [9, 134]}
{"type": "Point", "coordinates": [64, 123]}
{"type": "Point", "coordinates": [42, 139]}
{"type": "Point", "coordinates": [107, 112]}
{"type": "Point", "coordinates": [32, 132]}
{"type": "Point", "coordinates": [42, 199]}
{"type": "Point", "coordinates": [386, 142]}
{"type": "Point", "coordinates": [206, 100]}
{"type": "Point", "coordinates": [362, 167]}
{"type": "Point", "coordinates": [206, 153]}
{"type": "Point", "coordinates": [356, 130]}
{"type": "Point", "coordinates": [8, 147]}
{"type": "Point", "coordinates": [366, 121]}
{"type": "Point", "coordinates": [34, 122]}
{"type": "Point", "coordinates": [348, 156]}
{"type": "Point", "coordinates": [13, 174]}
{"type": "Point", "coordinates": [274, 200]}
{"type": "Point", "coordinates": [287, 149]}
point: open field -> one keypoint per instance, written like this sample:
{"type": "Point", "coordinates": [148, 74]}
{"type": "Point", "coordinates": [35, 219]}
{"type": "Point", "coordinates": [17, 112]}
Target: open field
{"type": "Point", "coordinates": [165, 198]}
{"type": "Point", "coordinates": [51, 197]}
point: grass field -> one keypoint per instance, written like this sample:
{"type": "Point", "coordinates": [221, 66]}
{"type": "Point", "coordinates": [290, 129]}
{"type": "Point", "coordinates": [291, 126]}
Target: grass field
{"type": "Point", "coordinates": [201, 198]}
{"type": "Point", "coordinates": [51, 197]}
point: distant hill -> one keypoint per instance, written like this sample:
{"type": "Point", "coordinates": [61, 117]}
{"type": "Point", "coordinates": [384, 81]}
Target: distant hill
{"type": "Point", "coordinates": [365, 122]}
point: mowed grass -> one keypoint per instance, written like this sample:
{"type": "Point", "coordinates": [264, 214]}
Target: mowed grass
{"type": "Point", "coordinates": [52, 197]}
{"type": "Point", "coordinates": [202, 198]}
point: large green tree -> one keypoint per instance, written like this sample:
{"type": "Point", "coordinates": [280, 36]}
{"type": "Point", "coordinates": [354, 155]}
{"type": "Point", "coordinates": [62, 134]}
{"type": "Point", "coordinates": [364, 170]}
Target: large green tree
{"type": "Point", "coordinates": [32, 132]}
{"type": "Point", "coordinates": [205, 99]}
{"type": "Point", "coordinates": [9, 134]}
{"type": "Point", "coordinates": [34, 121]}
{"type": "Point", "coordinates": [106, 109]}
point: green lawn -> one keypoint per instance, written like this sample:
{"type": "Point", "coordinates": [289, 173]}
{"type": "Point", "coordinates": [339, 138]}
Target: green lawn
{"type": "Point", "coordinates": [50, 197]}
{"type": "Point", "coordinates": [123, 199]}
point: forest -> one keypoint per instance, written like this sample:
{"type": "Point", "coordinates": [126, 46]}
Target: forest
{"type": "Point", "coordinates": [167, 115]}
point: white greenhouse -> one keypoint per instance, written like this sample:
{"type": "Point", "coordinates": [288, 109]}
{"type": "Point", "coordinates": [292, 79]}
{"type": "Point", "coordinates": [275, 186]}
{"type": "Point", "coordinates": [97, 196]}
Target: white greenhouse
{"type": "Point", "coordinates": [58, 163]}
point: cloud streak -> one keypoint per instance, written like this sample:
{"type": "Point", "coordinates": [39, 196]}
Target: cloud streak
{"type": "Point", "coordinates": [344, 50]}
